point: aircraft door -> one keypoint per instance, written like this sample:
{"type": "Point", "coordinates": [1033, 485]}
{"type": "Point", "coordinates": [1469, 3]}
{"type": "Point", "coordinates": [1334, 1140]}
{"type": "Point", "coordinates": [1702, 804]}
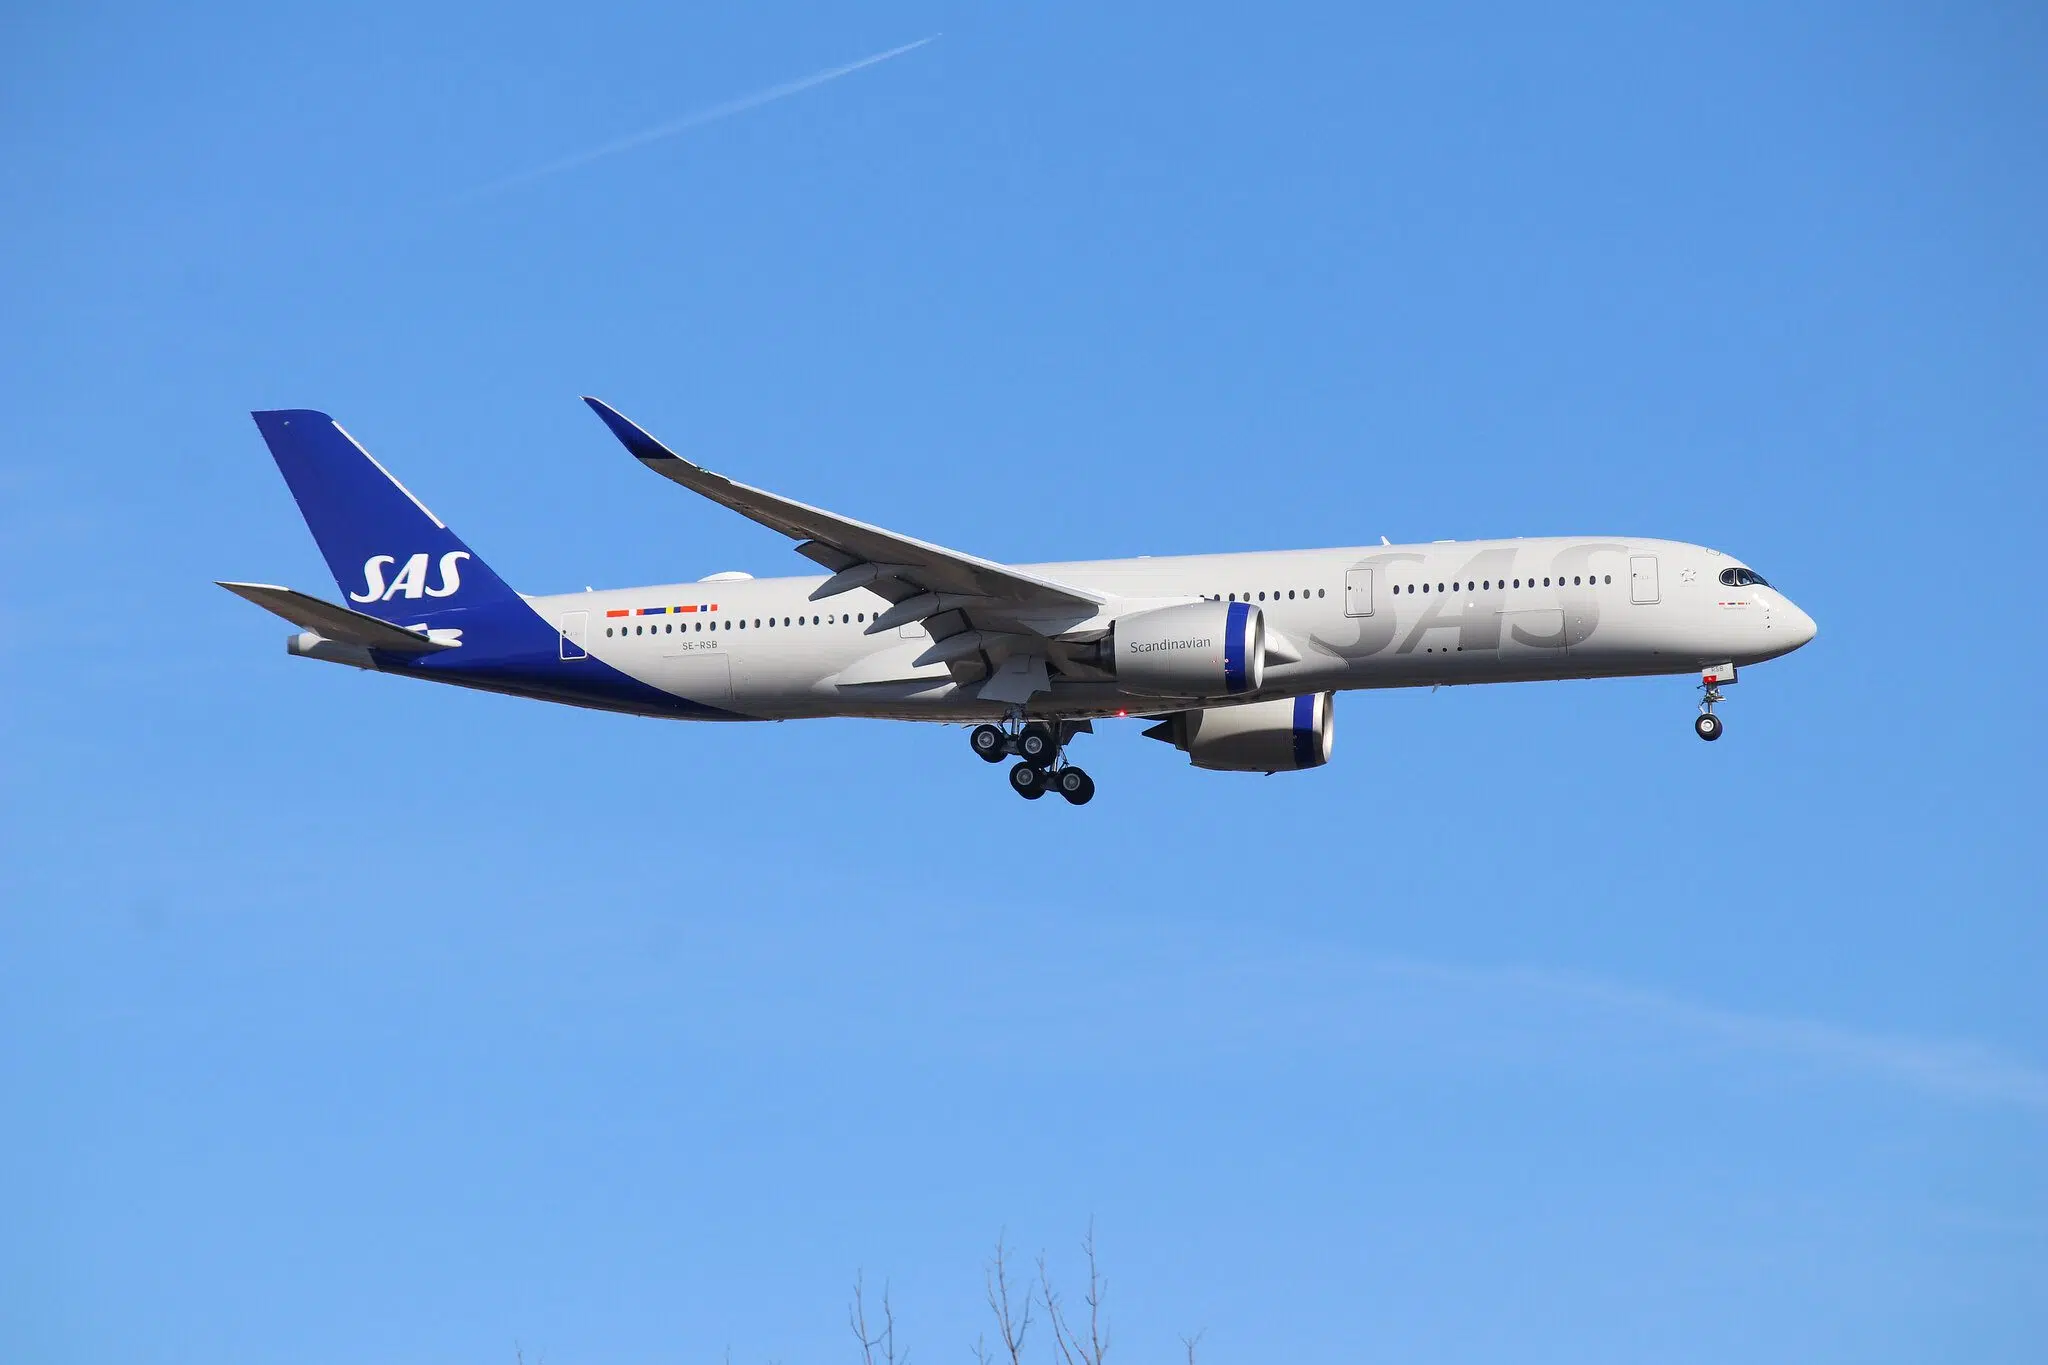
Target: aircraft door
{"type": "Point", "coordinates": [1642, 580]}
{"type": "Point", "coordinates": [574, 626]}
{"type": "Point", "coordinates": [1358, 592]}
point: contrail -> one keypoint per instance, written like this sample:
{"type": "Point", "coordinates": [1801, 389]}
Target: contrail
{"type": "Point", "coordinates": [696, 120]}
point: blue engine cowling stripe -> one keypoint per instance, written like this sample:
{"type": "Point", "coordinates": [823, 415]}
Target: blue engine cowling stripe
{"type": "Point", "coordinates": [1236, 644]}
{"type": "Point", "coordinates": [1305, 747]}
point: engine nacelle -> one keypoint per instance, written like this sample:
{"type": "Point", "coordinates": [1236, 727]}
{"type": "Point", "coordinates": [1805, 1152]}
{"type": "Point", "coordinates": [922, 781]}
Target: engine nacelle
{"type": "Point", "coordinates": [1263, 737]}
{"type": "Point", "coordinates": [1198, 649]}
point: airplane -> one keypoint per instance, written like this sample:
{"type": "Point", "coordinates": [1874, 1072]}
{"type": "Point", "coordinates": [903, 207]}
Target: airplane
{"type": "Point", "coordinates": [1236, 659]}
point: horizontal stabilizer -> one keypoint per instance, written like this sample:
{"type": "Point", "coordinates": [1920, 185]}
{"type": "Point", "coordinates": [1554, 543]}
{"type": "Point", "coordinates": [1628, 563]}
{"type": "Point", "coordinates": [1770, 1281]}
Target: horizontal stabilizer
{"type": "Point", "coordinates": [333, 622]}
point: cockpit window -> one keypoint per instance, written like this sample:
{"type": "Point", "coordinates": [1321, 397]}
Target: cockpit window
{"type": "Point", "coordinates": [1742, 578]}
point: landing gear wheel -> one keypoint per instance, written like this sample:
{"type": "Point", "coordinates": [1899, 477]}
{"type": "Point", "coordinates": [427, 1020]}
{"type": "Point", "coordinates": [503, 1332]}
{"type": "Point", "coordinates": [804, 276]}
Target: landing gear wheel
{"type": "Point", "coordinates": [1028, 781]}
{"type": "Point", "coordinates": [990, 742]}
{"type": "Point", "coordinates": [1075, 785]}
{"type": "Point", "coordinates": [1708, 726]}
{"type": "Point", "coordinates": [1037, 745]}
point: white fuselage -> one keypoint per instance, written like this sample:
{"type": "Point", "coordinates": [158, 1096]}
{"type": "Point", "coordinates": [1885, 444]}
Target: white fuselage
{"type": "Point", "coordinates": [1450, 612]}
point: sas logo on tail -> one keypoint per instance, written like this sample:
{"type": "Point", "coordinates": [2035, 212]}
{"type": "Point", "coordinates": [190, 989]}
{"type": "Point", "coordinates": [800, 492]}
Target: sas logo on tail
{"type": "Point", "coordinates": [411, 580]}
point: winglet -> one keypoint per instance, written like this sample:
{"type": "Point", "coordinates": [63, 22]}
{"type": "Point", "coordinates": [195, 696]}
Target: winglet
{"type": "Point", "coordinates": [644, 447]}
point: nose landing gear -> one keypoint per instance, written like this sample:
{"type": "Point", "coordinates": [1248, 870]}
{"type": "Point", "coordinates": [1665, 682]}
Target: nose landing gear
{"type": "Point", "coordinates": [1043, 766]}
{"type": "Point", "coordinates": [1707, 725]}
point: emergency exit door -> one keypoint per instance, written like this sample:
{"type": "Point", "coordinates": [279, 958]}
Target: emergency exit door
{"type": "Point", "coordinates": [574, 624]}
{"type": "Point", "coordinates": [1642, 579]}
{"type": "Point", "coordinates": [1358, 592]}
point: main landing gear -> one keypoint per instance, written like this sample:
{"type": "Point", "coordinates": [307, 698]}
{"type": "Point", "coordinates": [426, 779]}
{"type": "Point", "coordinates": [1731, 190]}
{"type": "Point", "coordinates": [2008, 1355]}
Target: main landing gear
{"type": "Point", "coordinates": [1042, 765]}
{"type": "Point", "coordinates": [1707, 725]}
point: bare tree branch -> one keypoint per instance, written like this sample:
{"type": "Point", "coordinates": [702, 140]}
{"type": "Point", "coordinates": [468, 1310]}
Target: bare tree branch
{"type": "Point", "coordinates": [1011, 1326]}
{"type": "Point", "coordinates": [1073, 1347]}
{"type": "Point", "coordinates": [857, 1320]}
{"type": "Point", "coordinates": [1098, 1328]}
{"type": "Point", "coordinates": [1062, 1339]}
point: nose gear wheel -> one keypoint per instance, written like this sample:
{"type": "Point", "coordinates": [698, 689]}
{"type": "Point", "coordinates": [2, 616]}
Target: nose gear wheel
{"type": "Point", "coordinates": [1707, 725]}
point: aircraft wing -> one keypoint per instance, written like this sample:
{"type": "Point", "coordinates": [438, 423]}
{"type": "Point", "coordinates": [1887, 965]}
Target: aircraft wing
{"type": "Point", "coordinates": [923, 579]}
{"type": "Point", "coordinates": [988, 621]}
{"type": "Point", "coordinates": [335, 623]}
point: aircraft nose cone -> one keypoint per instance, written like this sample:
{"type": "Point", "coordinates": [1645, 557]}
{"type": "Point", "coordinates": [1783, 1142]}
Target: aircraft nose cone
{"type": "Point", "coordinates": [1801, 626]}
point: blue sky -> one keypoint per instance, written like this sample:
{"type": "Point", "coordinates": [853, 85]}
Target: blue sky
{"type": "Point", "coordinates": [346, 1019]}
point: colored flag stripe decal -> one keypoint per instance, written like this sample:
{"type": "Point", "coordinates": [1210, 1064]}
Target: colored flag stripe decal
{"type": "Point", "coordinates": [660, 611]}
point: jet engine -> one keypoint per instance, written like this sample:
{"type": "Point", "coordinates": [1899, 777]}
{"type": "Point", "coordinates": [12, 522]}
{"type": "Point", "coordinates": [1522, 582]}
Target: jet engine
{"type": "Point", "coordinates": [1198, 649]}
{"type": "Point", "coordinates": [1262, 737]}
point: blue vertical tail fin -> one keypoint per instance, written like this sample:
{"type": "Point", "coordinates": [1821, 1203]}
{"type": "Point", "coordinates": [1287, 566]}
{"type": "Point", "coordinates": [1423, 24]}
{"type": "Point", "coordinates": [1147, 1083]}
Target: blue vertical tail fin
{"type": "Point", "coordinates": [392, 558]}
